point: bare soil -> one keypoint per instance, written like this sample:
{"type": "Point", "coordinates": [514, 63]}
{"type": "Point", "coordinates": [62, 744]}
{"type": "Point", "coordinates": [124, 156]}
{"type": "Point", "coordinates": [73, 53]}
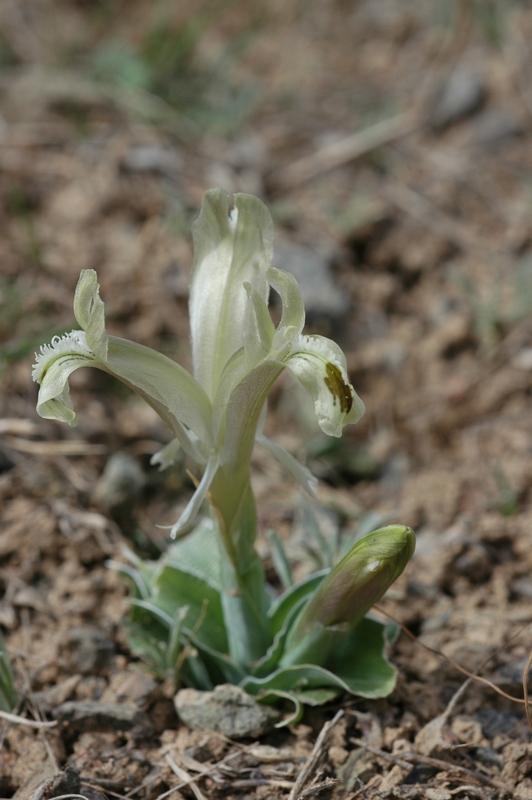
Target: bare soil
{"type": "Point", "coordinates": [392, 142]}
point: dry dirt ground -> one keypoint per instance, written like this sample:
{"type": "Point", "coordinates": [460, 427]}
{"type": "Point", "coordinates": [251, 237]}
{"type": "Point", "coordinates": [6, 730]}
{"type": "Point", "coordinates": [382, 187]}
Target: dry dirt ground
{"type": "Point", "coordinates": [392, 142]}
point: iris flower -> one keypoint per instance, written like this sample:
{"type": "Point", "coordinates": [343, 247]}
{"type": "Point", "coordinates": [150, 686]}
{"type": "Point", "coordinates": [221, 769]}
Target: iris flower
{"type": "Point", "coordinates": [216, 416]}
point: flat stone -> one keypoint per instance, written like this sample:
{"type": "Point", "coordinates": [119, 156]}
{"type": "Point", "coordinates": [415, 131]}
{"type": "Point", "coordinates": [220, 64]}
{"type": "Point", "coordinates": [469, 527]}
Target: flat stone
{"type": "Point", "coordinates": [120, 484]}
{"type": "Point", "coordinates": [495, 126]}
{"type": "Point", "coordinates": [228, 710]}
{"type": "Point", "coordinates": [87, 715]}
{"type": "Point", "coordinates": [460, 96]}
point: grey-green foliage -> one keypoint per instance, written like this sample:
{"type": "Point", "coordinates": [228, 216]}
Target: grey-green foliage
{"type": "Point", "coordinates": [178, 623]}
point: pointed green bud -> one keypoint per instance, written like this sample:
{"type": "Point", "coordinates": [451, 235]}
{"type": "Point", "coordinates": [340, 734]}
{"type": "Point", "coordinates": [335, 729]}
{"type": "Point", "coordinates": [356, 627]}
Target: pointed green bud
{"type": "Point", "coordinates": [349, 591]}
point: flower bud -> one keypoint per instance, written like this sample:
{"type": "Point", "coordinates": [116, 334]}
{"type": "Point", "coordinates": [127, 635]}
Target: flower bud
{"type": "Point", "coordinates": [349, 591]}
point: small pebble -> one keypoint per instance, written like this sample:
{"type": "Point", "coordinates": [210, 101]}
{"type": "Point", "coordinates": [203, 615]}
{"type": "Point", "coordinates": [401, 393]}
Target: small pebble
{"type": "Point", "coordinates": [228, 710]}
{"type": "Point", "coordinates": [461, 96]}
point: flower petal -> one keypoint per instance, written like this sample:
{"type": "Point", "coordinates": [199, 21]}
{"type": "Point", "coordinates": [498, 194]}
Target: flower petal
{"type": "Point", "coordinates": [229, 250]}
{"type": "Point", "coordinates": [167, 456]}
{"type": "Point", "coordinates": [293, 314]}
{"type": "Point", "coordinates": [89, 311]}
{"type": "Point", "coordinates": [172, 391]}
{"type": "Point", "coordinates": [174, 394]}
{"type": "Point", "coordinates": [260, 335]}
{"type": "Point", "coordinates": [244, 411]}
{"type": "Point", "coordinates": [320, 366]}
{"type": "Point", "coordinates": [53, 366]}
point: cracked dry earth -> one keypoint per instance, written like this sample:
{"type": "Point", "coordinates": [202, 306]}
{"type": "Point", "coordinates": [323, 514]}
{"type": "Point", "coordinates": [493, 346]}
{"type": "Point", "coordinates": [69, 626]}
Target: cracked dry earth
{"type": "Point", "coordinates": [412, 247]}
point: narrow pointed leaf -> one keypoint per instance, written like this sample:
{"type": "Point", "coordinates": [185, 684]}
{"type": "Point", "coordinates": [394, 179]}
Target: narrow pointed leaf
{"type": "Point", "coordinates": [301, 474]}
{"type": "Point", "coordinates": [185, 523]}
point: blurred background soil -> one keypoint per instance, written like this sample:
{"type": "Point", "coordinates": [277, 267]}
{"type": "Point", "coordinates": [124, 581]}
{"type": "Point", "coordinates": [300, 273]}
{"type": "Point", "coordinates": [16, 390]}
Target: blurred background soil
{"type": "Point", "coordinates": [392, 143]}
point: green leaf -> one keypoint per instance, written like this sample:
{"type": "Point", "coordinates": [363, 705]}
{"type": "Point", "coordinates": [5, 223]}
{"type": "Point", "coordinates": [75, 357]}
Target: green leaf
{"type": "Point", "coordinates": [280, 560]}
{"type": "Point", "coordinates": [361, 660]}
{"type": "Point", "coordinates": [282, 607]}
{"type": "Point", "coordinates": [199, 553]}
{"type": "Point", "coordinates": [266, 664]}
{"type": "Point", "coordinates": [221, 667]}
{"type": "Point", "coordinates": [174, 588]}
{"type": "Point", "coordinates": [359, 667]}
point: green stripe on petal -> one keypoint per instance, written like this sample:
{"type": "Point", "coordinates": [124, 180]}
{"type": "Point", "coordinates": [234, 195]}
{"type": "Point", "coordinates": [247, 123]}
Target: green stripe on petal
{"type": "Point", "coordinates": [258, 342]}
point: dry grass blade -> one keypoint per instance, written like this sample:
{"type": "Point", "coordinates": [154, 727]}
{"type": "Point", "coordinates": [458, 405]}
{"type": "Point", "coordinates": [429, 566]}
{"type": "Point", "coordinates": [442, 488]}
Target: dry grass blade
{"type": "Point", "coordinates": [456, 665]}
{"type": "Point", "coordinates": [184, 776]}
{"type": "Point", "coordinates": [312, 761]}
{"type": "Point", "coordinates": [28, 723]}
{"type": "Point", "coordinates": [62, 448]}
{"type": "Point", "coordinates": [345, 150]}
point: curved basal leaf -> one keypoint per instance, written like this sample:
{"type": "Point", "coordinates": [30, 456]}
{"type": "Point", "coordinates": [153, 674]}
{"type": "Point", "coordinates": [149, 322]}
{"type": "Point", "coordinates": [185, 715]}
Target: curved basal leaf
{"type": "Point", "coordinates": [220, 665]}
{"type": "Point", "coordinates": [174, 588]}
{"type": "Point", "coordinates": [313, 697]}
{"type": "Point", "coordinates": [270, 660]}
{"type": "Point", "coordinates": [360, 668]}
{"type": "Point", "coordinates": [198, 553]}
{"type": "Point", "coordinates": [283, 605]}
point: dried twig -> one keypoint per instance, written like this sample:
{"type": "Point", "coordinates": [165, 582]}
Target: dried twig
{"type": "Point", "coordinates": [348, 149]}
{"type": "Point", "coordinates": [68, 447]}
{"type": "Point", "coordinates": [455, 664]}
{"type": "Point", "coordinates": [29, 723]}
{"type": "Point", "coordinates": [183, 775]}
{"type": "Point", "coordinates": [313, 759]}
{"type": "Point", "coordinates": [407, 758]}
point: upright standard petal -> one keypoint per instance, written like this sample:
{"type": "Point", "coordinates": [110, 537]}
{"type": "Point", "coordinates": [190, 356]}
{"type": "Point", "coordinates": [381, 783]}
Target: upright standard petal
{"type": "Point", "coordinates": [89, 311]}
{"type": "Point", "coordinates": [320, 366]}
{"type": "Point", "coordinates": [231, 248]}
{"type": "Point", "coordinates": [293, 314]}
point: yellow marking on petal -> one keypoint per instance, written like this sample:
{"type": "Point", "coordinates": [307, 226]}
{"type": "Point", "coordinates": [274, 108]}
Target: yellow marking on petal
{"type": "Point", "coordinates": [338, 387]}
